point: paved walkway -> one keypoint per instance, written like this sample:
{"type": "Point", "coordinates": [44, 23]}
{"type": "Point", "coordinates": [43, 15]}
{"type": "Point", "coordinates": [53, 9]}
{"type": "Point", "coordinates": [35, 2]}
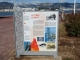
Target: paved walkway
{"type": "Point", "coordinates": [6, 38]}
{"type": "Point", "coordinates": [35, 58]}
{"type": "Point", "coordinates": [7, 43]}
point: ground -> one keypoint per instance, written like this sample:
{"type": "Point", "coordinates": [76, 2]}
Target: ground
{"type": "Point", "coordinates": [7, 41]}
{"type": "Point", "coordinates": [68, 47]}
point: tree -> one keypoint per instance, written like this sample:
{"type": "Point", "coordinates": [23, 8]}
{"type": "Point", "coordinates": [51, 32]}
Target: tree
{"type": "Point", "coordinates": [72, 24]}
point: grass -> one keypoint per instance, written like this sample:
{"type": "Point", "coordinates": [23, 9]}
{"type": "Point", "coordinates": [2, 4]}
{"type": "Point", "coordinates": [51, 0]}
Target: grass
{"type": "Point", "coordinates": [62, 31]}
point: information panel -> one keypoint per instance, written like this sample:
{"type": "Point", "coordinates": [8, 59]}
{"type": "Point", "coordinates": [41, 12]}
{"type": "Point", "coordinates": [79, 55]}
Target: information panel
{"type": "Point", "coordinates": [36, 33]}
{"type": "Point", "coordinates": [40, 31]}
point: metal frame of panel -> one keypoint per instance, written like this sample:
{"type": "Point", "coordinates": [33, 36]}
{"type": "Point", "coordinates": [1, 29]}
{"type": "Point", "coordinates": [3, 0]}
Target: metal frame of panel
{"type": "Point", "coordinates": [19, 36]}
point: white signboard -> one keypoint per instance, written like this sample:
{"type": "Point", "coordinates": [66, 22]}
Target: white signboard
{"type": "Point", "coordinates": [36, 33]}
{"type": "Point", "coordinates": [40, 31]}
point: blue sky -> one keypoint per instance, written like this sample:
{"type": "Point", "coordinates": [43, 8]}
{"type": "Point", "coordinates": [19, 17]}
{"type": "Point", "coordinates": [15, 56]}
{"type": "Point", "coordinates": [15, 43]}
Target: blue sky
{"type": "Point", "coordinates": [52, 1]}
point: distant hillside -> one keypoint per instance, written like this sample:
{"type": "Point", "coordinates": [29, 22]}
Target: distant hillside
{"type": "Point", "coordinates": [4, 5]}
{"type": "Point", "coordinates": [58, 5]}
{"type": "Point", "coordinates": [66, 5]}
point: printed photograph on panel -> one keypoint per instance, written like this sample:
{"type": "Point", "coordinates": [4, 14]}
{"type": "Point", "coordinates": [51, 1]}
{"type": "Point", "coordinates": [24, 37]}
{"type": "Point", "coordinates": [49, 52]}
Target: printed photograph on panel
{"type": "Point", "coordinates": [42, 44]}
{"type": "Point", "coordinates": [50, 34]}
{"type": "Point", "coordinates": [40, 38]}
{"type": "Point", "coordinates": [27, 46]}
{"type": "Point", "coordinates": [51, 17]}
{"type": "Point", "coordinates": [50, 45]}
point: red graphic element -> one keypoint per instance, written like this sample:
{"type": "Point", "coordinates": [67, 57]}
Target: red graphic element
{"type": "Point", "coordinates": [35, 15]}
{"type": "Point", "coordinates": [34, 45]}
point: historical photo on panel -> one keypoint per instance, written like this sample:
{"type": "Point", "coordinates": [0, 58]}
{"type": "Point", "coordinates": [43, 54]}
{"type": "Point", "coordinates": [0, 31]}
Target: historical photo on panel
{"type": "Point", "coordinates": [42, 45]}
{"type": "Point", "coordinates": [27, 46]}
{"type": "Point", "coordinates": [50, 34]}
{"type": "Point", "coordinates": [50, 45]}
{"type": "Point", "coordinates": [40, 38]}
{"type": "Point", "coordinates": [51, 17]}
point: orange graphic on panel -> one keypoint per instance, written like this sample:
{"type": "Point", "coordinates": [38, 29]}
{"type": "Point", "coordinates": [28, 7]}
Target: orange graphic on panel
{"type": "Point", "coordinates": [34, 45]}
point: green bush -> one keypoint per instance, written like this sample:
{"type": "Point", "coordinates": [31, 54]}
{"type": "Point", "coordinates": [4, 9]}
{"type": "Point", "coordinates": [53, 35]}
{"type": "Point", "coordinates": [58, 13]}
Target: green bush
{"type": "Point", "coordinates": [72, 24]}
